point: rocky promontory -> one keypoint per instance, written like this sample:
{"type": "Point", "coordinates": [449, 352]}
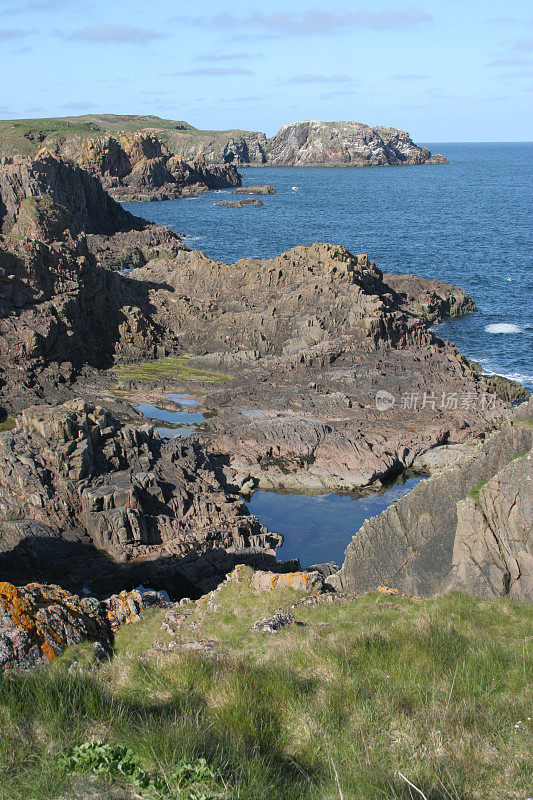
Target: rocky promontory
{"type": "Point", "coordinates": [313, 143]}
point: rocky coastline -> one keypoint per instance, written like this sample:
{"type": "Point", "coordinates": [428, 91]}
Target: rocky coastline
{"type": "Point", "coordinates": [316, 372]}
{"type": "Point", "coordinates": [140, 157]}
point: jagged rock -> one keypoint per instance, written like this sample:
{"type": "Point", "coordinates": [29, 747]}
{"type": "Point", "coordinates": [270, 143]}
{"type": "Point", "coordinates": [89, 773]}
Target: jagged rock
{"type": "Point", "coordinates": [259, 188]}
{"type": "Point", "coordinates": [23, 180]}
{"type": "Point", "coordinates": [163, 511]}
{"type": "Point", "coordinates": [38, 621]}
{"type": "Point", "coordinates": [139, 166]}
{"type": "Point", "coordinates": [247, 201]}
{"type": "Point", "coordinates": [430, 299]}
{"type": "Point", "coordinates": [59, 310]}
{"type": "Point", "coordinates": [310, 142]}
{"type": "Point", "coordinates": [325, 314]}
{"type": "Point", "coordinates": [493, 545]}
{"type": "Point", "coordinates": [467, 528]}
{"type": "Point", "coordinates": [345, 143]}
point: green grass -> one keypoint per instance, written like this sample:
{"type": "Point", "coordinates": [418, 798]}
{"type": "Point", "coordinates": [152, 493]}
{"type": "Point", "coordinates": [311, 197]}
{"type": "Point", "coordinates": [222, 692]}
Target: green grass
{"type": "Point", "coordinates": [167, 368]}
{"type": "Point", "coordinates": [476, 490]}
{"type": "Point", "coordinates": [8, 424]}
{"type": "Point", "coordinates": [438, 689]}
{"type": "Point", "coordinates": [521, 454]}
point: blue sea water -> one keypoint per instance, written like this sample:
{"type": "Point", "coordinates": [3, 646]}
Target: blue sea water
{"type": "Point", "coordinates": [468, 223]}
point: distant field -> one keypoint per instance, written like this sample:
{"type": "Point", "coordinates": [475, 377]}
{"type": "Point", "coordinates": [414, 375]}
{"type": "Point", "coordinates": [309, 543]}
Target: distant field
{"type": "Point", "coordinates": [26, 136]}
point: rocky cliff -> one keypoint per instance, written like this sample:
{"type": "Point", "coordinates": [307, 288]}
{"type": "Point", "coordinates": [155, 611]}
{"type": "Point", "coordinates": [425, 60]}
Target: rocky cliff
{"type": "Point", "coordinates": [141, 167]}
{"type": "Point", "coordinates": [314, 143]}
{"type": "Point", "coordinates": [73, 474]}
{"type": "Point", "coordinates": [468, 528]}
{"type": "Point", "coordinates": [59, 308]}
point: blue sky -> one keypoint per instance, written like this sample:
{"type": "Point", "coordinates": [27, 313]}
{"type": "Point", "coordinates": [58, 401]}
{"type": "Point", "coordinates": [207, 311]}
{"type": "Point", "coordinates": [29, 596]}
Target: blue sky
{"type": "Point", "coordinates": [444, 71]}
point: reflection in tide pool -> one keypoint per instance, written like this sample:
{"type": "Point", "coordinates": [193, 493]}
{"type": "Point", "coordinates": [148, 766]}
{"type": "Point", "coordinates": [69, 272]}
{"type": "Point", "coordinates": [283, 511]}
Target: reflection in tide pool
{"type": "Point", "coordinates": [319, 527]}
{"type": "Point", "coordinates": [183, 422]}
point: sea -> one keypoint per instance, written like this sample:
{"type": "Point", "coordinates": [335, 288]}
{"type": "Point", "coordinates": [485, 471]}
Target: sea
{"type": "Point", "coordinates": [467, 223]}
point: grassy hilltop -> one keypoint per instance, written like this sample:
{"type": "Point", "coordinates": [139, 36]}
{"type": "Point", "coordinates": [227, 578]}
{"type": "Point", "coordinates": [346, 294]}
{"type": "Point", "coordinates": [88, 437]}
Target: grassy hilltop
{"type": "Point", "coordinates": [436, 689]}
{"type": "Point", "coordinates": [27, 136]}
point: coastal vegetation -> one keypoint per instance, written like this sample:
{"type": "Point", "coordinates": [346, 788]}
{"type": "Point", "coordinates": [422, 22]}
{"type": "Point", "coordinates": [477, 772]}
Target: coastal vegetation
{"type": "Point", "coordinates": [437, 689]}
{"type": "Point", "coordinates": [167, 368]}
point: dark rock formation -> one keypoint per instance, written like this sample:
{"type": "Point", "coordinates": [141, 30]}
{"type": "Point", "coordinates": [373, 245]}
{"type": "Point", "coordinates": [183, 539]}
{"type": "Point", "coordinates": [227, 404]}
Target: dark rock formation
{"type": "Point", "coordinates": [468, 528]}
{"type": "Point", "coordinates": [59, 309]}
{"type": "Point", "coordinates": [262, 188]}
{"type": "Point", "coordinates": [140, 167]}
{"type": "Point", "coordinates": [24, 180]}
{"type": "Point", "coordinates": [310, 338]}
{"type": "Point", "coordinates": [101, 486]}
{"type": "Point", "coordinates": [430, 299]}
{"type": "Point", "coordinates": [246, 201]}
{"type": "Point", "coordinates": [313, 143]}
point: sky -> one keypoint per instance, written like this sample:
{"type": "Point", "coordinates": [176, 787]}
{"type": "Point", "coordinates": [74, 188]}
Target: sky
{"type": "Point", "coordinates": [444, 71]}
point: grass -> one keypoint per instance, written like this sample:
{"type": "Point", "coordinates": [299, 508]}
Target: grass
{"type": "Point", "coordinates": [8, 424]}
{"type": "Point", "coordinates": [476, 490]}
{"type": "Point", "coordinates": [437, 689]}
{"type": "Point", "coordinates": [520, 454]}
{"type": "Point", "coordinates": [167, 368]}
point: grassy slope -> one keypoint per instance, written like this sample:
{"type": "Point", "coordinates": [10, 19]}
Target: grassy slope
{"type": "Point", "coordinates": [431, 688]}
{"type": "Point", "coordinates": [13, 137]}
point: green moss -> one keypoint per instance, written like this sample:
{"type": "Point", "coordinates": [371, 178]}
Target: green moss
{"type": "Point", "coordinates": [8, 424]}
{"type": "Point", "coordinates": [476, 490]}
{"type": "Point", "coordinates": [167, 368]}
{"type": "Point", "coordinates": [523, 422]}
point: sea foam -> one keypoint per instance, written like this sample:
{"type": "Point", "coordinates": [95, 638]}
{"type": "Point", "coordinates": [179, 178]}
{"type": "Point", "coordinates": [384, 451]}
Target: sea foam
{"type": "Point", "coordinates": [503, 327]}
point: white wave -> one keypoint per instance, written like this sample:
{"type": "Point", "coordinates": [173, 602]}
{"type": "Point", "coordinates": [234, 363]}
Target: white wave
{"type": "Point", "coordinates": [521, 377]}
{"type": "Point", "coordinates": [503, 327]}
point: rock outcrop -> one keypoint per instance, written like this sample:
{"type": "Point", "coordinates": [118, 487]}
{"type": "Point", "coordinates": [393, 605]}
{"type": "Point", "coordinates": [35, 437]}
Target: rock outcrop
{"type": "Point", "coordinates": [60, 310]}
{"type": "Point", "coordinates": [311, 338]}
{"type": "Point", "coordinates": [141, 167]}
{"type": "Point", "coordinates": [38, 621]}
{"type": "Point", "coordinates": [261, 188]}
{"type": "Point", "coordinates": [468, 528]}
{"type": "Point", "coordinates": [313, 143]}
{"type": "Point", "coordinates": [74, 466]}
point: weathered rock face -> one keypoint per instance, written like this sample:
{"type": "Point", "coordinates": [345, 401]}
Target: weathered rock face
{"type": "Point", "coordinates": [311, 337]}
{"type": "Point", "coordinates": [59, 309]}
{"type": "Point", "coordinates": [38, 621]}
{"type": "Point", "coordinates": [23, 180]}
{"type": "Point", "coordinates": [468, 528]}
{"type": "Point", "coordinates": [75, 467]}
{"type": "Point", "coordinates": [140, 167]}
{"type": "Point", "coordinates": [313, 143]}
{"type": "Point", "coordinates": [430, 299]}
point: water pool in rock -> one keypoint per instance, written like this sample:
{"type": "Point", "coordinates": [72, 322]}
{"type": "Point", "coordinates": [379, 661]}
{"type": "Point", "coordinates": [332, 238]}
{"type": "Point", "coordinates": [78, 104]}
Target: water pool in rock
{"type": "Point", "coordinates": [319, 527]}
{"type": "Point", "coordinates": [183, 422]}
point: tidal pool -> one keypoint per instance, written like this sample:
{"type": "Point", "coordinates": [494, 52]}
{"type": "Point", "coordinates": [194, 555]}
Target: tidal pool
{"type": "Point", "coordinates": [319, 527]}
{"type": "Point", "coordinates": [183, 422]}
